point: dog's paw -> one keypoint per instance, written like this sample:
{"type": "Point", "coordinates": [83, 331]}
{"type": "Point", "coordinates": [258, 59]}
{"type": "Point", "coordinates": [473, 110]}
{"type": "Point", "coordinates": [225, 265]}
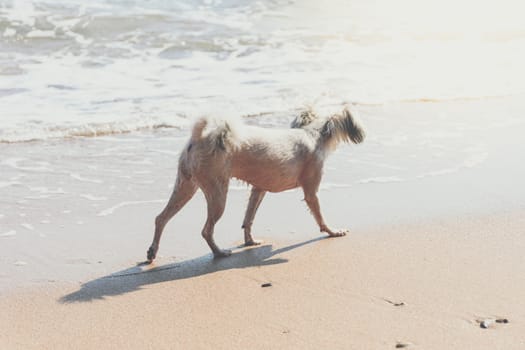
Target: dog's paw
{"type": "Point", "coordinates": [223, 253]}
{"type": "Point", "coordinates": [152, 253]}
{"type": "Point", "coordinates": [253, 242]}
{"type": "Point", "coordinates": [339, 233]}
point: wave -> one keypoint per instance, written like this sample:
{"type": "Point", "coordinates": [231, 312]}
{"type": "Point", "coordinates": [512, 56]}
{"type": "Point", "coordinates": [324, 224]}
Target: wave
{"type": "Point", "coordinates": [455, 99]}
{"type": "Point", "coordinates": [74, 69]}
{"type": "Point", "coordinates": [32, 131]}
{"type": "Point", "coordinates": [30, 134]}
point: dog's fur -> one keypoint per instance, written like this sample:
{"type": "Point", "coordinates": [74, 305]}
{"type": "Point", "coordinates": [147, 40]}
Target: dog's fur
{"type": "Point", "coordinates": [272, 160]}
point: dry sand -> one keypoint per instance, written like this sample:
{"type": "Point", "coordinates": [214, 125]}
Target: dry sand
{"type": "Point", "coordinates": [425, 285]}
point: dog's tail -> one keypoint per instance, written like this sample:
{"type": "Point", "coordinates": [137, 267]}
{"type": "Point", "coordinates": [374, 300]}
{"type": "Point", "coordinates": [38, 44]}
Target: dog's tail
{"type": "Point", "coordinates": [342, 127]}
{"type": "Point", "coordinates": [216, 134]}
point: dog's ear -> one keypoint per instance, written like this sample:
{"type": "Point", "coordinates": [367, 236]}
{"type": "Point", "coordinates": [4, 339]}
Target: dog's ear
{"type": "Point", "coordinates": [222, 139]}
{"type": "Point", "coordinates": [303, 119]}
{"type": "Point", "coordinates": [342, 127]}
{"type": "Point", "coordinates": [353, 127]}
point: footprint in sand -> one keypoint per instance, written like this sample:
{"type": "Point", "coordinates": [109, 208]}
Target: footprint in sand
{"type": "Point", "coordinates": [394, 302]}
{"type": "Point", "coordinates": [402, 345]}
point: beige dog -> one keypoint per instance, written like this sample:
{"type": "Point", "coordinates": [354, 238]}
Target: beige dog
{"type": "Point", "coordinates": [272, 160]}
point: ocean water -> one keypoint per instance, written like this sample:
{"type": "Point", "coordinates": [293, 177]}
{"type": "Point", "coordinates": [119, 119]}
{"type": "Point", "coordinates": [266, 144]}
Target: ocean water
{"type": "Point", "coordinates": [75, 68]}
{"type": "Point", "coordinates": [96, 99]}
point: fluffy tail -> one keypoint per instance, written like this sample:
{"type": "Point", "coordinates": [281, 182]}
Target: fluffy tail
{"type": "Point", "coordinates": [215, 134]}
{"type": "Point", "coordinates": [342, 127]}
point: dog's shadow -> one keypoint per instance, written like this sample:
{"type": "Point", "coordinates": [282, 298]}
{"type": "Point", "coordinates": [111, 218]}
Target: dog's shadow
{"type": "Point", "coordinates": [133, 278]}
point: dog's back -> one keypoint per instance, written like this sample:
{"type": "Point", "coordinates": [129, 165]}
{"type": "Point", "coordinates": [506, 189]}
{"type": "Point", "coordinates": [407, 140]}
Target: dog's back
{"type": "Point", "coordinates": [267, 158]}
{"type": "Point", "coordinates": [230, 135]}
{"type": "Point", "coordinates": [272, 159]}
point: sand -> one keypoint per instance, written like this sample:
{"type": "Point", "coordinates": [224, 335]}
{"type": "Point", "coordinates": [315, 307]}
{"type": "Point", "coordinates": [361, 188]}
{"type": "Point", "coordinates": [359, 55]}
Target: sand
{"type": "Point", "coordinates": [433, 199]}
{"type": "Point", "coordinates": [425, 286]}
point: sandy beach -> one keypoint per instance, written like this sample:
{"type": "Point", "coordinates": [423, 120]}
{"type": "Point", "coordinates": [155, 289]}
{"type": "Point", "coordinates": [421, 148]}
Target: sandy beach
{"type": "Point", "coordinates": [424, 286]}
{"type": "Point", "coordinates": [435, 247]}
{"type": "Point", "coordinates": [96, 103]}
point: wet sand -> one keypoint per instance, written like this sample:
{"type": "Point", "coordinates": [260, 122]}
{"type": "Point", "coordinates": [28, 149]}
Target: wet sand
{"type": "Point", "coordinates": [435, 211]}
{"type": "Point", "coordinates": [427, 286]}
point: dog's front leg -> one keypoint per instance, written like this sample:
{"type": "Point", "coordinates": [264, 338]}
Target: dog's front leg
{"type": "Point", "coordinates": [313, 203]}
{"type": "Point", "coordinates": [256, 198]}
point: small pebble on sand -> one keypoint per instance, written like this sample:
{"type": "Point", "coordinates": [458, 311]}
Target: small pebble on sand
{"type": "Point", "coordinates": [486, 323]}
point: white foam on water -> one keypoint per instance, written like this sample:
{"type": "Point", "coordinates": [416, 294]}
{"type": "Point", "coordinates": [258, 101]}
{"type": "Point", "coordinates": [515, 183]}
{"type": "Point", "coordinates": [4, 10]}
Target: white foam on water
{"type": "Point", "coordinates": [475, 160]}
{"type": "Point", "coordinates": [8, 32]}
{"type": "Point", "coordinates": [376, 164]}
{"type": "Point", "coordinates": [42, 196]}
{"type": "Point", "coordinates": [439, 172]}
{"type": "Point", "coordinates": [8, 183]}
{"type": "Point", "coordinates": [8, 234]}
{"type": "Point", "coordinates": [46, 190]}
{"type": "Point", "coordinates": [112, 209]}
{"type": "Point", "coordinates": [41, 34]}
{"type": "Point", "coordinates": [40, 166]}
{"type": "Point", "coordinates": [93, 198]}
{"type": "Point", "coordinates": [81, 178]}
{"type": "Point", "coordinates": [27, 226]}
{"type": "Point", "coordinates": [242, 58]}
{"type": "Point", "coordinates": [380, 179]}
{"type": "Point", "coordinates": [474, 156]}
{"type": "Point", "coordinates": [330, 186]}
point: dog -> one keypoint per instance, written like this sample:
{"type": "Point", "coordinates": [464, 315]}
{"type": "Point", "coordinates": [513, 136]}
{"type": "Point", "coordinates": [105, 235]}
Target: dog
{"type": "Point", "coordinates": [273, 160]}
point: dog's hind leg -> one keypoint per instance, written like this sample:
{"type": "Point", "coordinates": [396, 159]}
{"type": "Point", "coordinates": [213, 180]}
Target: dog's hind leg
{"type": "Point", "coordinates": [310, 196]}
{"type": "Point", "coordinates": [216, 198]}
{"type": "Point", "coordinates": [256, 198]}
{"type": "Point", "coordinates": [184, 189]}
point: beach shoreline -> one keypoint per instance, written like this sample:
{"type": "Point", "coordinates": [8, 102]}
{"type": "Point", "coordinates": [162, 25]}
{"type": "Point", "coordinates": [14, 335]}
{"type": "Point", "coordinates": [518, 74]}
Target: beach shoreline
{"type": "Point", "coordinates": [73, 209]}
{"type": "Point", "coordinates": [426, 286]}
{"type": "Point", "coordinates": [97, 100]}
{"type": "Point", "coordinates": [435, 247]}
